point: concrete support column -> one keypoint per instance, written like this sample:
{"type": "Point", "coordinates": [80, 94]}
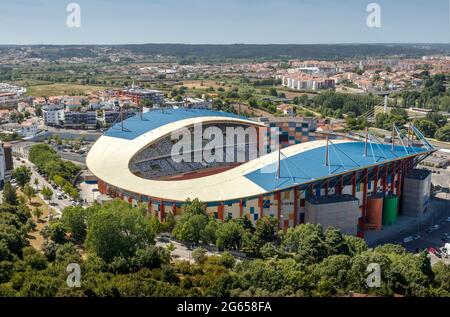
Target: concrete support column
{"type": "Point", "coordinates": [278, 199]}
{"type": "Point", "coordinates": [394, 167]}
{"type": "Point", "coordinates": [364, 206]}
{"type": "Point", "coordinates": [149, 206]}
{"type": "Point", "coordinates": [220, 209]}
{"type": "Point", "coordinates": [375, 186]}
{"type": "Point", "coordinates": [354, 184]}
{"type": "Point", "coordinates": [295, 206]}
{"type": "Point", "coordinates": [174, 209]}
{"type": "Point", "coordinates": [261, 206]}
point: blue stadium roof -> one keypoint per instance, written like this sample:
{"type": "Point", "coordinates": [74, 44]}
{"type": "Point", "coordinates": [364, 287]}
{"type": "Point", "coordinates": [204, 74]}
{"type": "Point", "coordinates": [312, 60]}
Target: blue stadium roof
{"type": "Point", "coordinates": [135, 126]}
{"type": "Point", "coordinates": [310, 165]}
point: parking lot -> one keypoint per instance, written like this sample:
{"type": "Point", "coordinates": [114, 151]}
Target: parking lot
{"type": "Point", "coordinates": [430, 238]}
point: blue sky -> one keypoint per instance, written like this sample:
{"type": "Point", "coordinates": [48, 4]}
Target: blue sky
{"type": "Point", "coordinates": [223, 21]}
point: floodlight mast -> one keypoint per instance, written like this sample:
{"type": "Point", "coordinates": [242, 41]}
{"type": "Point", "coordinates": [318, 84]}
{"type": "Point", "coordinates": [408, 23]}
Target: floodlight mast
{"type": "Point", "coordinates": [393, 136]}
{"type": "Point", "coordinates": [366, 142]}
{"type": "Point", "coordinates": [279, 163]}
{"type": "Point", "coordinates": [121, 117]}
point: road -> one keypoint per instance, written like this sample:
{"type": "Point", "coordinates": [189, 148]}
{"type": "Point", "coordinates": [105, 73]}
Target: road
{"type": "Point", "coordinates": [181, 252]}
{"type": "Point", "coordinates": [55, 203]}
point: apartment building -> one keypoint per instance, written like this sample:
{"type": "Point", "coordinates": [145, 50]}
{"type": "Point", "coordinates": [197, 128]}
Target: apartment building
{"type": "Point", "coordinates": [53, 115]}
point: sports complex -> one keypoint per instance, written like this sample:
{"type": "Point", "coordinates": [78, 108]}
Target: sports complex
{"type": "Point", "coordinates": [352, 185]}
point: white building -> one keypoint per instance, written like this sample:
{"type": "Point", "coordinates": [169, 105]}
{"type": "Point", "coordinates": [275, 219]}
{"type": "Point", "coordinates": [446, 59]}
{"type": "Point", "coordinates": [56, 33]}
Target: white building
{"type": "Point", "coordinates": [29, 129]}
{"type": "Point", "coordinates": [198, 103]}
{"type": "Point", "coordinates": [53, 114]}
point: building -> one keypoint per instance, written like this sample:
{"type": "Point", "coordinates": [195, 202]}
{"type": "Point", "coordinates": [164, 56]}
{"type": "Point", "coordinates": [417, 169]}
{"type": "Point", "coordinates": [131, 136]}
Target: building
{"type": "Point", "coordinates": [26, 129]}
{"type": "Point", "coordinates": [53, 115]}
{"type": "Point", "coordinates": [138, 95]}
{"type": "Point", "coordinates": [6, 163]}
{"type": "Point", "coordinates": [107, 118]}
{"type": "Point", "coordinates": [80, 120]}
{"type": "Point", "coordinates": [135, 163]}
{"type": "Point", "coordinates": [286, 109]}
{"type": "Point", "coordinates": [197, 103]}
{"type": "Point", "coordinates": [302, 81]}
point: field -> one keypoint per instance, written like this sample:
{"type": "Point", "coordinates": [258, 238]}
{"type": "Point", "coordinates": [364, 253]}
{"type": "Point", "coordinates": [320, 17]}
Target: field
{"type": "Point", "coordinates": [62, 89]}
{"type": "Point", "coordinates": [201, 84]}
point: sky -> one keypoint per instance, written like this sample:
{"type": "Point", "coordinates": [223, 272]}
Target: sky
{"type": "Point", "coordinates": [224, 22]}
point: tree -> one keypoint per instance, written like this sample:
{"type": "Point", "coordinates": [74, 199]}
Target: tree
{"type": "Point", "coordinates": [58, 180]}
{"type": "Point", "coordinates": [9, 194]}
{"type": "Point", "coordinates": [57, 232]}
{"type": "Point", "coordinates": [199, 255]}
{"type": "Point", "coordinates": [443, 134]}
{"type": "Point", "coordinates": [171, 247]}
{"type": "Point", "coordinates": [190, 227]}
{"type": "Point", "coordinates": [428, 128]}
{"type": "Point", "coordinates": [229, 235]}
{"type": "Point", "coordinates": [71, 191]}
{"type": "Point", "coordinates": [74, 218]}
{"type": "Point", "coordinates": [47, 193]}
{"type": "Point", "coordinates": [37, 212]}
{"type": "Point", "coordinates": [29, 192]}
{"type": "Point", "coordinates": [335, 242]}
{"type": "Point", "coordinates": [208, 234]}
{"type": "Point", "coordinates": [22, 175]}
{"type": "Point", "coordinates": [266, 229]}
{"type": "Point", "coordinates": [117, 229]}
{"type": "Point", "coordinates": [307, 242]}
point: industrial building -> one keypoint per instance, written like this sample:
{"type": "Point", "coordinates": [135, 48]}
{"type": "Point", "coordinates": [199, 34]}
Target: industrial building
{"type": "Point", "coordinates": [354, 186]}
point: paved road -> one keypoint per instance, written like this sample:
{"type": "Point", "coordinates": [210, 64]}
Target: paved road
{"type": "Point", "coordinates": [57, 204]}
{"type": "Point", "coordinates": [181, 252]}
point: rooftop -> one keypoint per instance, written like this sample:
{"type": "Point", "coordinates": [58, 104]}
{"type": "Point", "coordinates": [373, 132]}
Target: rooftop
{"type": "Point", "coordinates": [135, 126]}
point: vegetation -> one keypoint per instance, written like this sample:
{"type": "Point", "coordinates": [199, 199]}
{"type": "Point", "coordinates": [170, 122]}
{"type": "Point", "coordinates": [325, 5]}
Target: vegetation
{"type": "Point", "coordinates": [337, 104]}
{"type": "Point", "coordinates": [122, 259]}
{"type": "Point", "coordinates": [22, 175]}
{"type": "Point", "coordinates": [48, 162]}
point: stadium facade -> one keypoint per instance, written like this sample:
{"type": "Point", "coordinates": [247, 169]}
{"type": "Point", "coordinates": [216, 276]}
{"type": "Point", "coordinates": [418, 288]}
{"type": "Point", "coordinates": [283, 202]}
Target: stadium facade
{"type": "Point", "coordinates": [340, 183]}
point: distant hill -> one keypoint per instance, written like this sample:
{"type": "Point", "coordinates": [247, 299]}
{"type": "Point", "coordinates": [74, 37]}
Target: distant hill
{"type": "Point", "coordinates": [189, 53]}
{"type": "Point", "coordinates": [274, 51]}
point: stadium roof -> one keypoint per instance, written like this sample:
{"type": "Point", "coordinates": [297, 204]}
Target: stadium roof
{"type": "Point", "coordinates": [135, 126]}
{"type": "Point", "coordinates": [300, 164]}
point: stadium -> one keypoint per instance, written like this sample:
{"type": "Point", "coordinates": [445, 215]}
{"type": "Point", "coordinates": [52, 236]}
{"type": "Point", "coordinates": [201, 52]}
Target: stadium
{"type": "Point", "coordinates": [352, 185]}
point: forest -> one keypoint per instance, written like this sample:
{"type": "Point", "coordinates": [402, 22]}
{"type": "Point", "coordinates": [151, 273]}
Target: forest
{"type": "Point", "coordinates": [115, 247]}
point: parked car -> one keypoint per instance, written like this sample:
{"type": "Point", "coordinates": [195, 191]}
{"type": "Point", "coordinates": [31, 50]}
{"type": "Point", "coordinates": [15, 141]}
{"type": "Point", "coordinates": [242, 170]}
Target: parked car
{"type": "Point", "coordinates": [408, 239]}
{"type": "Point", "coordinates": [433, 228]}
{"type": "Point", "coordinates": [432, 250]}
